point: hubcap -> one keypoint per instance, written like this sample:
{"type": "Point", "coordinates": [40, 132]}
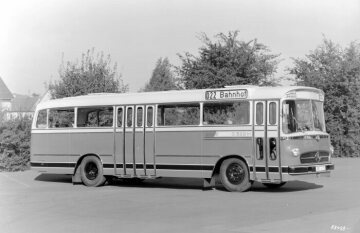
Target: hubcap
{"type": "Point", "coordinates": [235, 173]}
{"type": "Point", "coordinates": [91, 171]}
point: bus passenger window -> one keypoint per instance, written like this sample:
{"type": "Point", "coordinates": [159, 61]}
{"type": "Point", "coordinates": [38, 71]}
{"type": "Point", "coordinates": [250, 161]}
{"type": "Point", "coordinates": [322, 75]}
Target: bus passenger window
{"type": "Point", "coordinates": [182, 114]}
{"type": "Point", "coordinates": [61, 118]}
{"type": "Point", "coordinates": [106, 117]}
{"type": "Point", "coordinates": [139, 117]}
{"type": "Point", "coordinates": [95, 117]}
{"type": "Point", "coordinates": [259, 113]}
{"type": "Point", "coordinates": [272, 113]}
{"type": "Point", "coordinates": [129, 117]}
{"type": "Point", "coordinates": [41, 121]}
{"type": "Point", "coordinates": [120, 117]}
{"type": "Point", "coordinates": [227, 113]}
{"type": "Point", "coordinates": [149, 117]}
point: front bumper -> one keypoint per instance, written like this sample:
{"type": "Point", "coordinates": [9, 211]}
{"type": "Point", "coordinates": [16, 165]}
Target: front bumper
{"type": "Point", "coordinates": [309, 169]}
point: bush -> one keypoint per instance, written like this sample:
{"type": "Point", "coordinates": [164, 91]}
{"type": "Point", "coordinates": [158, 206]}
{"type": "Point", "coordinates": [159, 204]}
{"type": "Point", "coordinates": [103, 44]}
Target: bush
{"type": "Point", "coordinates": [15, 144]}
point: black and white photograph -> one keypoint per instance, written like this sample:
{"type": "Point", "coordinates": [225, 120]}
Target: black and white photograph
{"type": "Point", "coordinates": [180, 116]}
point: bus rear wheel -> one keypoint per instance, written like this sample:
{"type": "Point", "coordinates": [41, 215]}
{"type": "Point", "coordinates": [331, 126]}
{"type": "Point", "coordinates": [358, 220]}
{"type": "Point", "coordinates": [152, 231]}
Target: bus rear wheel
{"type": "Point", "coordinates": [234, 175]}
{"type": "Point", "coordinates": [91, 171]}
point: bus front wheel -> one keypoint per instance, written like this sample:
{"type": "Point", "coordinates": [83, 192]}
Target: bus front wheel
{"type": "Point", "coordinates": [234, 175]}
{"type": "Point", "coordinates": [91, 171]}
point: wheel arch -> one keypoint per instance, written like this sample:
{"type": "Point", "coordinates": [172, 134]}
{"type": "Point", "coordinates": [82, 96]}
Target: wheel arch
{"type": "Point", "coordinates": [80, 159]}
{"type": "Point", "coordinates": [216, 169]}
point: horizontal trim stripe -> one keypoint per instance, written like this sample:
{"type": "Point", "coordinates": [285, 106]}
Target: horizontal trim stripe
{"type": "Point", "coordinates": [271, 169]}
{"type": "Point", "coordinates": [72, 130]}
{"type": "Point", "coordinates": [138, 166]}
{"type": "Point", "coordinates": [72, 155]}
{"type": "Point", "coordinates": [41, 164]}
{"type": "Point", "coordinates": [168, 166]}
{"type": "Point", "coordinates": [306, 137]}
{"type": "Point", "coordinates": [106, 155]}
{"type": "Point", "coordinates": [184, 167]}
{"type": "Point", "coordinates": [193, 156]}
{"type": "Point", "coordinates": [228, 138]}
{"type": "Point", "coordinates": [75, 155]}
{"type": "Point", "coordinates": [184, 128]}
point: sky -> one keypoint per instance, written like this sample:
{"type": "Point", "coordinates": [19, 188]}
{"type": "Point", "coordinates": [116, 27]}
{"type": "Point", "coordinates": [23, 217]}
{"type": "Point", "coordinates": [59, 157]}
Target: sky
{"type": "Point", "coordinates": [37, 35]}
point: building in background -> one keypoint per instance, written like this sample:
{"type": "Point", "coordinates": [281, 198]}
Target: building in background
{"type": "Point", "coordinates": [5, 97]}
{"type": "Point", "coordinates": [14, 106]}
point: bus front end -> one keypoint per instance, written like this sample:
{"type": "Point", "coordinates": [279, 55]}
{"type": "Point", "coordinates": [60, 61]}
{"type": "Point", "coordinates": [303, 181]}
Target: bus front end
{"type": "Point", "coordinates": [305, 145]}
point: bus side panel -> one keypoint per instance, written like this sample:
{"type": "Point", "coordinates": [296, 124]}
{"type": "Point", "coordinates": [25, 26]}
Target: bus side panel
{"type": "Point", "coordinates": [129, 152]}
{"type": "Point", "coordinates": [149, 153]}
{"type": "Point", "coordinates": [139, 152]}
{"type": "Point", "coordinates": [50, 153]}
{"type": "Point", "coordinates": [98, 143]}
{"type": "Point", "coordinates": [119, 153]}
{"type": "Point", "coordinates": [178, 153]}
{"type": "Point", "coordinates": [215, 147]}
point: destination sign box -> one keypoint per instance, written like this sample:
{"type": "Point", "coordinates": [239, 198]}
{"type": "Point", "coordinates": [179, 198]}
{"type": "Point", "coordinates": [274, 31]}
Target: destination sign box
{"type": "Point", "coordinates": [226, 94]}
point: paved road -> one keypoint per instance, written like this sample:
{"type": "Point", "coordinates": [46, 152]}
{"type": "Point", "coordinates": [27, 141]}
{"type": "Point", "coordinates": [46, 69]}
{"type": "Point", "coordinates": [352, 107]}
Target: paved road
{"type": "Point", "coordinates": [30, 202]}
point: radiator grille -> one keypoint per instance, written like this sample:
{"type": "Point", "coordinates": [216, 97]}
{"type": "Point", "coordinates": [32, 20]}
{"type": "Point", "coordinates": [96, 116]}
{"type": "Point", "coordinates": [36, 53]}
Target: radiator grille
{"type": "Point", "coordinates": [314, 157]}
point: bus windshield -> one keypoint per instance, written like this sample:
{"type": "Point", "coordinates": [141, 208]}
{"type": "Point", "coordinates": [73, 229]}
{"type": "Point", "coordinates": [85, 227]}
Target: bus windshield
{"type": "Point", "coordinates": [303, 115]}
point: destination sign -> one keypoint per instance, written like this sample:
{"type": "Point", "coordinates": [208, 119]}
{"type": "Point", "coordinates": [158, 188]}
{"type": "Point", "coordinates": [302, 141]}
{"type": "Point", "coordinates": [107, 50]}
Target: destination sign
{"type": "Point", "coordinates": [226, 94]}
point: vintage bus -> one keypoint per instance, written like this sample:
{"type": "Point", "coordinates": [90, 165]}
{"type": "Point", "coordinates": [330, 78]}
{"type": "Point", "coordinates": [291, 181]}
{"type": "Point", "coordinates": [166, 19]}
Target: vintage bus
{"type": "Point", "coordinates": [238, 134]}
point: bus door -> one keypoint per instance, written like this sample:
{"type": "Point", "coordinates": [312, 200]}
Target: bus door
{"type": "Point", "coordinates": [266, 141]}
{"type": "Point", "coordinates": [134, 141]}
{"type": "Point", "coordinates": [124, 141]}
{"type": "Point", "coordinates": [119, 141]}
{"type": "Point", "coordinates": [273, 141]}
{"type": "Point", "coordinates": [149, 140]}
{"type": "Point", "coordinates": [144, 136]}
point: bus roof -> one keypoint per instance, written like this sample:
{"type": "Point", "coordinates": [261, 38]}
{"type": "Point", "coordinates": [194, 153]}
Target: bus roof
{"type": "Point", "coordinates": [177, 96]}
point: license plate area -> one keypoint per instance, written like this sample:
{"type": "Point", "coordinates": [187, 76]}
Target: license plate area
{"type": "Point", "coordinates": [320, 168]}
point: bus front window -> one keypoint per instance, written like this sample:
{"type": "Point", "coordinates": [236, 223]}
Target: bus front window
{"type": "Point", "coordinates": [302, 115]}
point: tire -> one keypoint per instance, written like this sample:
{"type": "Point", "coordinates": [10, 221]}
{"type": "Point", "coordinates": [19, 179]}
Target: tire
{"type": "Point", "coordinates": [274, 186]}
{"type": "Point", "coordinates": [91, 171]}
{"type": "Point", "coordinates": [234, 175]}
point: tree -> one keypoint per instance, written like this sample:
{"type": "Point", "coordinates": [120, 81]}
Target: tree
{"type": "Point", "coordinates": [91, 75]}
{"type": "Point", "coordinates": [162, 78]}
{"type": "Point", "coordinates": [228, 61]}
{"type": "Point", "coordinates": [337, 72]}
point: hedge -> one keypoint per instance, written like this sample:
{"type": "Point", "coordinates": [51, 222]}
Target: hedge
{"type": "Point", "coordinates": [15, 144]}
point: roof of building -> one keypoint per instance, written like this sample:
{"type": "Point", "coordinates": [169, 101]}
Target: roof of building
{"type": "Point", "coordinates": [204, 95]}
{"type": "Point", "coordinates": [23, 103]}
{"type": "Point", "coordinates": [5, 93]}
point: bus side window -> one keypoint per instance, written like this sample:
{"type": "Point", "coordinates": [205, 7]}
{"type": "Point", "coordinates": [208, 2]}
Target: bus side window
{"type": "Point", "coordinates": [181, 114]}
{"type": "Point", "coordinates": [106, 117]}
{"type": "Point", "coordinates": [139, 117]}
{"type": "Point", "coordinates": [120, 117]}
{"type": "Point", "coordinates": [227, 113]}
{"type": "Point", "coordinates": [41, 121]}
{"type": "Point", "coordinates": [95, 117]}
{"type": "Point", "coordinates": [61, 118]}
{"type": "Point", "coordinates": [259, 113]}
{"type": "Point", "coordinates": [272, 113]}
{"type": "Point", "coordinates": [149, 116]}
{"type": "Point", "coordinates": [129, 114]}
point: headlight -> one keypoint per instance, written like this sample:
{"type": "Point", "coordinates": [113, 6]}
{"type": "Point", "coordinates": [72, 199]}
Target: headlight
{"type": "Point", "coordinates": [295, 152]}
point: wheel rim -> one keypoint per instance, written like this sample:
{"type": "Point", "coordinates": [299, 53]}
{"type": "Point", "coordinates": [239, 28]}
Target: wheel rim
{"type": "Point", "coordinates": [91, 171]}
{"type": "Point", "coordinates": [235, 173]}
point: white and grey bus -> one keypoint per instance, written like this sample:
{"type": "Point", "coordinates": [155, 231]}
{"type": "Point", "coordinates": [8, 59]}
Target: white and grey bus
{"type": "Point", "coordinates": [240, 134]}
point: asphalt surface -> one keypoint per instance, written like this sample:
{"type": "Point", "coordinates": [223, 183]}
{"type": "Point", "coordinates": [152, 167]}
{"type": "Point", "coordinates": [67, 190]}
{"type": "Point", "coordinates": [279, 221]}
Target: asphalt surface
{"type": "Point", "coordinates": [33, 202]}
